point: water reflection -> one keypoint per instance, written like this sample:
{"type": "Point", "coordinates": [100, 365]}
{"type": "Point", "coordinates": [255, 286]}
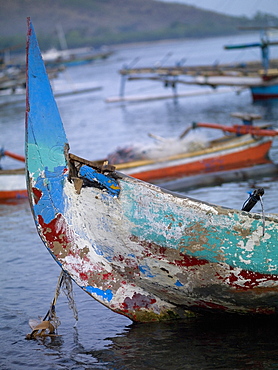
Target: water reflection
{"type": "Point", "coordinates": [268, 109]}
{"type": "Point", "coordinates": [202, 343]}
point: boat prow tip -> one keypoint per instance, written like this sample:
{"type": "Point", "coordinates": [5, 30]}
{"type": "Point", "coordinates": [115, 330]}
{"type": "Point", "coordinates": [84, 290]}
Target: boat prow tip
{"type": "Point", "coordinates": [45, 132]}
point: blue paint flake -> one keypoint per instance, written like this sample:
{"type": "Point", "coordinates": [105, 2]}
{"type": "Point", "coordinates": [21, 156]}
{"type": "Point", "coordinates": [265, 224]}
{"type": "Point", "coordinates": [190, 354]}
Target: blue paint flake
{"type": "Point", "coordinates": [104, 294]}
{"type": "Point", "coordinates": [107, 182]}
{"type": "Point", "coordinates": [146, 271]}
{"type": "Point", "coordinates": [178, 283]}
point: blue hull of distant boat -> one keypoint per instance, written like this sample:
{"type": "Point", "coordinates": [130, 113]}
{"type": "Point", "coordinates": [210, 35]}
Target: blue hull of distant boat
{"type": "Point", "coordinates": [264, 92]}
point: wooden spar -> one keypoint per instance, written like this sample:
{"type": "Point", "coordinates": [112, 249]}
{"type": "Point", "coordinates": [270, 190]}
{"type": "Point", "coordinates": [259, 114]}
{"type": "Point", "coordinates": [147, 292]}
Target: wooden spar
{"type": "Point", "coordinates": [208, 70]}
{"type": "Point", "coordinates": [18, 157]}
{"type": "Point", "coordinates": [139, 98]}
{"type": "Point", "coordinates": [239, 129]}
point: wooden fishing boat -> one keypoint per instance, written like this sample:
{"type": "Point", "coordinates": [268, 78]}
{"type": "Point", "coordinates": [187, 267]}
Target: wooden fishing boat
{"type": "Point", "coordinates": [141, 251]}
{"type": "Point", "coordinates": [12, 181]}
{"type": "Point", "coordinates": [246, 147]}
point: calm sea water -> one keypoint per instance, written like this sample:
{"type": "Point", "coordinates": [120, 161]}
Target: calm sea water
{"type": "Point", "coordinates": [102, 339]}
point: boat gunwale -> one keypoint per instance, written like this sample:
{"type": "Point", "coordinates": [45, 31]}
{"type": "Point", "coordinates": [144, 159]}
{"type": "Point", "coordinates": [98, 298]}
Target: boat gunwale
{"type": "Point", "coordinates": [214, 149]}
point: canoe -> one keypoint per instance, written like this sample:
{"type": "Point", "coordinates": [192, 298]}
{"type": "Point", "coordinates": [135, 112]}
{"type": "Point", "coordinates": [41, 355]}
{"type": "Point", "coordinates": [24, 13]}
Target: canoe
{"type": "Point", "coordinates": [143, 252]}
{"type": "Point", "coordinates": [12, 181]}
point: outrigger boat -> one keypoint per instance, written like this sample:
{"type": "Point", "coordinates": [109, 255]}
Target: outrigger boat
{"type": "Point", "coordinates": [143, 252]}
{"type": "Point", "coordinates": [260, 77]}
{"type": "Point", "coordinates": [245, 147]}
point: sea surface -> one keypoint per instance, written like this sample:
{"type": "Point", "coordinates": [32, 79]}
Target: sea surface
{"type": "Point", "coordinates": [101, 339]}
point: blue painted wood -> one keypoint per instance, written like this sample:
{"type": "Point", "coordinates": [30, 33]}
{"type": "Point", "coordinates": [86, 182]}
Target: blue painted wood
{"type": "Point", "coordinates": [108, 183]}
{"type": "Point", "coordinates": [45, 152]}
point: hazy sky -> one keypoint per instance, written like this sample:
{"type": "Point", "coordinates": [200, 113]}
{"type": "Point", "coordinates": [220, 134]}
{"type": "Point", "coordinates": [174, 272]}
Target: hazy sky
{"type": "Point", "coordinates": [234, 7]}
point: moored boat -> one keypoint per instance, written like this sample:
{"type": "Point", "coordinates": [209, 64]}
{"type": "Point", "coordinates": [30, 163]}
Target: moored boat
{"type": "Point", "coordinates": [141, 251]}
{"type": "Point", "coordinates": [237, 151]}
{"type": "Point", "coordinates": [261, 78]}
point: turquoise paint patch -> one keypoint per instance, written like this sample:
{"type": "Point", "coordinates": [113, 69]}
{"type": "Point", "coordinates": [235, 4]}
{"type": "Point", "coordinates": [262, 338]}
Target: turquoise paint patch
{"type": "Point", "coordinates": [104, 294]}
{"type": "Point", "coordinates": [41, 158]}
{"type": "Point", "coordinates": [217, 238]}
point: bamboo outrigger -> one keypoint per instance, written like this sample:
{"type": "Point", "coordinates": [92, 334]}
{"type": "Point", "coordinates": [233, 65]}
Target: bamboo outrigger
{"type": "Point", "coordinates": [260, 77]}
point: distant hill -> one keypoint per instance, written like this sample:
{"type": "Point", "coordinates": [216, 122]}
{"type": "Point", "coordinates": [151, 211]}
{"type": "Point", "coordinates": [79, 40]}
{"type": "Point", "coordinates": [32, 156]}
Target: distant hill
{"type": "Point", "coordinates": [108, 22]}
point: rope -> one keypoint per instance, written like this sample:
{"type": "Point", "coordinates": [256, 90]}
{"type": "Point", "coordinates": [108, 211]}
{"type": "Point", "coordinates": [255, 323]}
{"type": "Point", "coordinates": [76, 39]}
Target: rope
{"type": "Point", "coordinates": [64, 282]}
{"type": "Point", "coordinates": [51, 313]}
{"type": "Point", "coordinates": [50, 322]}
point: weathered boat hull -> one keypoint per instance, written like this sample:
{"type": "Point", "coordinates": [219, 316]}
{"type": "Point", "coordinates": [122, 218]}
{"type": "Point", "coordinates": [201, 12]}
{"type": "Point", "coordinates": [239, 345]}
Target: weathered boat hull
{"type": "Point", "coordinates": [141, 251]}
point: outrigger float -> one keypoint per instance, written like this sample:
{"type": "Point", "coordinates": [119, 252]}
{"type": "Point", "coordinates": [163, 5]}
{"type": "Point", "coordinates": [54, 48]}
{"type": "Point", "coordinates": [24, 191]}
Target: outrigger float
{"type": "Point", "coordinates": [143, 252]}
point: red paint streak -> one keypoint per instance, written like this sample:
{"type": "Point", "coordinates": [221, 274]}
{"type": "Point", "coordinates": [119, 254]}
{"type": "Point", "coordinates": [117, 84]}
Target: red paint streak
{"type": "Point", "coordinates": [37, 194]}
{"type": "Point", "coordinates": [188, 261]}
{"type": "Point", "coordinates": [107, 276]}
{"type": "Point", "coordinates": [52, 232]}
{"type": "Point", "coordinates": [83, 276]}
{"type": "Point", "coordinates": [245, 280]}
{"type": "Point", "coordinates": [79, 254]}
{"type": "Point", "coordinates": [119, 258]}
{"type": "Point", "coordinates": [126, 262]}
{"type": "Point", "coordinates": [210, 305]}
{"type": "Point", "coordinates": [156, 251]}
{"type": "Point", "coordinates": [264, 96]}
{"type": "Point", "coordinates": [248, 279]}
